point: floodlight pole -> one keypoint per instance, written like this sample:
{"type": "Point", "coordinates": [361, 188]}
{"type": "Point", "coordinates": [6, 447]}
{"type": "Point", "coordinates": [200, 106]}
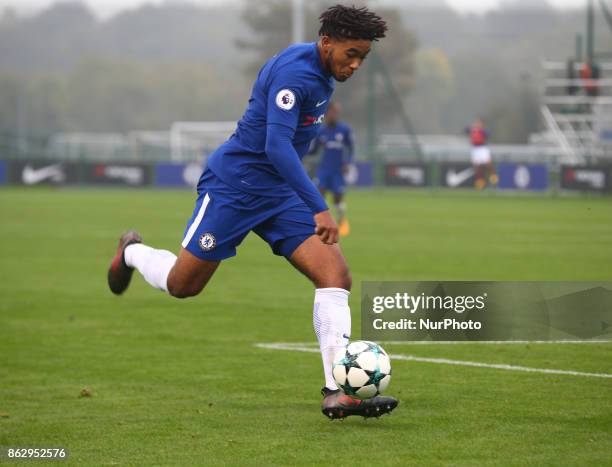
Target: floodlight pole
{"type": "Point", "coordinates": [590, 32]}
{"type": "Point", "coordinates": [371, 110]}
{"type": "Point", "coordinates": [22, 119]}
{"type": "Point", "coordinates": [399, 106]}
{"type": "Point", "coordinates": [606, 13]}
{"type": "Point", "coordinates": [371, 114]}
{"type": "Point", "coordinates": [298, 21]}
{"type": "Point", "coordinates": [578, 48]}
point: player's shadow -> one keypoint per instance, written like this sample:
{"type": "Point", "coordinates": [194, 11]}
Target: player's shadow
{"type": "Point", "coordinates": [380, 424]}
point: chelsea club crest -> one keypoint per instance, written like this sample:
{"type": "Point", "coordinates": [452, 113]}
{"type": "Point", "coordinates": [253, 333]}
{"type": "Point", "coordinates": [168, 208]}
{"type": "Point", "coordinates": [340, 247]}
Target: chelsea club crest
{"type": "Point", "coordinates": [207, 241]}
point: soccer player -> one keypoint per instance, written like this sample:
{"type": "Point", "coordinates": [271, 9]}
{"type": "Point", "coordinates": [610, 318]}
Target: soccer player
{"type": "Point", "coordinates": [255, 182]}
{"type": "Point", "coordinates": [481, 155]}
{"type": "Point", "coordinates": [336, 138]}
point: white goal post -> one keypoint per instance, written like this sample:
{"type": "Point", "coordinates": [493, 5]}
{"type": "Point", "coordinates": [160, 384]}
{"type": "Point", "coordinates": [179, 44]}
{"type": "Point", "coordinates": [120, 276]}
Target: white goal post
{"type": "Point", "coordinates": [191, 141]}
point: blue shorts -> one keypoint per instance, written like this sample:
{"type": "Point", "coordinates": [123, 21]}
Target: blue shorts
{"type": "Point", "coordinates": [331, 181]}
{"type": "Point", "coordinates": [223, 216]}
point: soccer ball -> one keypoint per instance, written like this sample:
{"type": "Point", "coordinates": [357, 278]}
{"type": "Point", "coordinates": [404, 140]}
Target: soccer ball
{"type": "Point", "coordinates": [362, 369]}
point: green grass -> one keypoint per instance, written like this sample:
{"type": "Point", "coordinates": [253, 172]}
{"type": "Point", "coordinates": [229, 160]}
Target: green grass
{"type": "Point", "coordinates": [181, 383]}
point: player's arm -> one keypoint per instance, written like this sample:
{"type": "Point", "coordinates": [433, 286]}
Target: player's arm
{"type": "Point", "coordinates": [314, 145]}
{"type": "Point", "coordinates": [282, 121]}
{"type": "Point", "coordinates": [280, 151]}
{"type": "Point", "coordinates": [350, 146]}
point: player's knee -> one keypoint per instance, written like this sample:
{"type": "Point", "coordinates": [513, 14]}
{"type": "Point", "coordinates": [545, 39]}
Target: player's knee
{"type": "Point", "coordinates": [178, 290]}
{"type": "Point", "coordinates": [340, 278]}
{"type": "Point", "coordinates": [346, 280]}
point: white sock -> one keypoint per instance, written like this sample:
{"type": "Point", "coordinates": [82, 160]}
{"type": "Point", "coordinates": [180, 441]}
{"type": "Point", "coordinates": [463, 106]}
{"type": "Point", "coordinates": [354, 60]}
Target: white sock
{"type": "Point", "coordinates": [154, 265]}
{"type": "Point", "coordinates": [340, 210]}
{"type": "Point", "coordinates": [332, 324]}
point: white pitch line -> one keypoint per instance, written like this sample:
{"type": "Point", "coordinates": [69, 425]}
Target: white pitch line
{"type": "Point", "coordinates": [592, 341]}
{"type": "Point", "coordinates": [600, 341]}
{"type": "Point", "coordinates": [444, 361]}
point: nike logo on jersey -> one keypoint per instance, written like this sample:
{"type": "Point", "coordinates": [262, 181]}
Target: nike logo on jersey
{"type": "Point", "coordinates": [32, 176]}
{"type": "Point", "coordinates": [319, 104]}
{"type": "Point", "coordinates": [454, 179]}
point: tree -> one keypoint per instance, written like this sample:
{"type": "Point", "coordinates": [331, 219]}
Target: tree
{"type": "Point", "coordinates": [514, 116]}
{"type": "Point", "coordinates": [435, 81]}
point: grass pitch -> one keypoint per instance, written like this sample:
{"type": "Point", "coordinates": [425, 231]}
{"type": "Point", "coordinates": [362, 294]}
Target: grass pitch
{"type": "Point", "coordinates": [181, 383]}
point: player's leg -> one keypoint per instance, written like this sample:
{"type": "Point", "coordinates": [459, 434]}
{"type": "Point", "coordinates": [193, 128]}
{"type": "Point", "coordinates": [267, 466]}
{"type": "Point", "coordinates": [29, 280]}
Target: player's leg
{"type": "Point", "coordinates": [480, 181]}
{"type": "Point", "coordinates": [336, 185]}
{"type": "Point", "coordinates": [154, 265]}
{"type": "Point", "coordinates": [290, 234]}
{"type": "Point", "coordinates": [181, 277]}
{"type": "Point", "coordinates": [326, 267]}
{"type": "Point", "coordinates": [340, 206]}
{"type": "Point", "coordinates": [493, 179]}
{"type": "Point", "coordinates": [322, 183]}
{"type": "Point", "coordinates": [189, 275]}
{"type": "Point", "coordinates": [486, 171]}
{"type": "Point", "coordinates": [219, 222]}
{"type": "Point", "coordinates": [323, 264]}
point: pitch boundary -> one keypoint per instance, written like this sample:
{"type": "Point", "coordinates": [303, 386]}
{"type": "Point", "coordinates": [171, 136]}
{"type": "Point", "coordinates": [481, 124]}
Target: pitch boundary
{"type": "Point", "coordinates": [593, 341]}
{"type": "Point", "coordinates": [307, 347]}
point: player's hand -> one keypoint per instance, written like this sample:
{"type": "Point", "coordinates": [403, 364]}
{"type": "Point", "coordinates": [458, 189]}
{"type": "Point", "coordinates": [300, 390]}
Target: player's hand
{"type": "Point", "coordinates": [345, 169]}
{"type": "Point", "coordinates": [326, 227]}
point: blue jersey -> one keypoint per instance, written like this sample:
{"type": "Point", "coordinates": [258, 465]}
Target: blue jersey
{"type": "Point", "coordinates": [337, 143]}
{"type": "Point", "coordinates": [287, 106]}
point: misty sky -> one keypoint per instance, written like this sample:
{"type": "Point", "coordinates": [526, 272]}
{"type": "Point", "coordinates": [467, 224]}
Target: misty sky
{"type": "Point", "coordinates": [106, 8]}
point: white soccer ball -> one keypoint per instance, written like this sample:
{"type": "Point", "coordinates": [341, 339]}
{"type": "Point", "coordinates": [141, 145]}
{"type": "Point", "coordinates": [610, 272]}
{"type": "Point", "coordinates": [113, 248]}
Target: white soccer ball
{"type": "Point", "coordinates": [362, 369]}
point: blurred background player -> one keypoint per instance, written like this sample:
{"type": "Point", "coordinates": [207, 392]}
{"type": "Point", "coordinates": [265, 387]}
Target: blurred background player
{"type": "Point", "coordinates": [336, 139]}
{"type": "Point", "coordinates": [590, 73]}
{"type": "Point", "coordinates": [481, 155]}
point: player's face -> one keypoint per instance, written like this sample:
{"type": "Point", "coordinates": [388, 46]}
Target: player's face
{"type": "Point", "coordinates": [343, 57]}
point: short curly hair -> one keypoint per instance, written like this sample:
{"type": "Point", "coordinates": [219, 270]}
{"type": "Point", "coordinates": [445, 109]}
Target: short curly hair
{"type": "Point", "coordinates": [344, 22]}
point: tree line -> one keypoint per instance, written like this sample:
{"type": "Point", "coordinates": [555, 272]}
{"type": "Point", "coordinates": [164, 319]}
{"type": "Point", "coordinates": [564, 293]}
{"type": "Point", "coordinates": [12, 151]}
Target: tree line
{"type": "Point", "coordinates": [64, 69]}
